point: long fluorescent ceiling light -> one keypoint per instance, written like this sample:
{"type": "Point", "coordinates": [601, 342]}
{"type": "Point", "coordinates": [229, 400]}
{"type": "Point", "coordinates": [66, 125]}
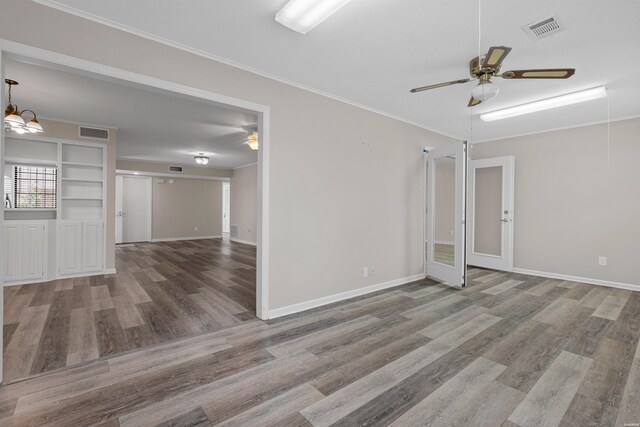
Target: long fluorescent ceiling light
{"type": "Point", "coordinates": [546, 104]}
{"type": "Point", "coordinates": [303, 15]}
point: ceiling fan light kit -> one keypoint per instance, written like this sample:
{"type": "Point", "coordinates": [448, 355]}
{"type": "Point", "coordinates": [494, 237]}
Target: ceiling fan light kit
{"type": "Point", "coordinates": [546, 104]}
{"type": "Point", "coordinates": [488, 66]}
{"type": "Point", "coordinates": [13, 119]}
{"type": "Point", "coordinates": [303, 15]}
{"type": "Point", "coordinates": [252, 141]}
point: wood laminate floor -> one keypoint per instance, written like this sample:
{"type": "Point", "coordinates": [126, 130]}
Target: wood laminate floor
{"type": "Point", "coordinates": [509, 350]}
{"type": "Point", "coordinates": [161, 292]}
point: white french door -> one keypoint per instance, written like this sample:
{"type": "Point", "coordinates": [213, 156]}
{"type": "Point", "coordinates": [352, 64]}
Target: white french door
{"type": "Point", "coordinates": [445, 214]}
{"type": "Point", "coordinates": [491, 203]}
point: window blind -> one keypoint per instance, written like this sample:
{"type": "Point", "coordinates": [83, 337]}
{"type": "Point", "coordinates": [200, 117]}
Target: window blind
{"type": "Point", "coordinates": [35, 187]}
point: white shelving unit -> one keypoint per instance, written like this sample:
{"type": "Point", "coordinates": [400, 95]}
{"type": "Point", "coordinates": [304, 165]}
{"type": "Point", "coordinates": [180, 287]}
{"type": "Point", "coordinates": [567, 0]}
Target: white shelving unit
{"type": "Point", "coordinates": [77, 222]}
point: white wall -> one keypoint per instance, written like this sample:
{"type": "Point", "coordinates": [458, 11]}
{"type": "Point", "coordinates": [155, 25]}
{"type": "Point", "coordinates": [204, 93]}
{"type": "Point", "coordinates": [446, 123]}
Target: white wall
{"type": "Point", "coordinates": [346, 184]}
{"type": "Point", "coordinates": [244, 196]}
{"type": "Point", "coordinates": [572, 205]}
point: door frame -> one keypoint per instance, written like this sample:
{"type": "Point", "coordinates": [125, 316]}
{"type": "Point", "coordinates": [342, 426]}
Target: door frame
{"type": "Point", "coordinates": [508, 201]}
{"type": "Point", "coordinates": [120, 200]}
{"type": "Point", "coordinates": [19, 50]}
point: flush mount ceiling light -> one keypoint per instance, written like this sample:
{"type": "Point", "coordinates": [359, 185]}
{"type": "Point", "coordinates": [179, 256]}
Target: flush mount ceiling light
{"type": "Point", "coordinates": [201, 159]}
{"type": "Point", "coordinates": [303, 15]}
{"type": "Point", "coordinates": [252, 141]}
{"type": "Point", "coordinates": [546, 104]}
{"type": "Point", "coordinates": [13, 119]}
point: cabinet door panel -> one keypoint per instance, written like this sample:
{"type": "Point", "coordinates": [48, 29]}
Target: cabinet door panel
{"type": "Point", "coordinates": [32, 250]}
{"type": "Point", "coordinates": [12, 251]}
{"type": "Point", "coordinates": [92, 246]}
{"type": "Point", "coordinates": [70, 247]}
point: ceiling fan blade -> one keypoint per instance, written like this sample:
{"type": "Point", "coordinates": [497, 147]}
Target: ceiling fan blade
{"type": "Point", "coordinates": [454, 82]}
{"type": "Point", "coordinates": [551, 73]}
{"type": "Point", "coordinates": [473, 102]}
{"type": "Point", "coordinates": [495, 56]}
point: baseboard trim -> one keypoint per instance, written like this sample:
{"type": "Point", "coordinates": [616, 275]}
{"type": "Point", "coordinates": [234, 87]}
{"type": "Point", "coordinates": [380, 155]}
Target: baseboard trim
{"type": "Point", "coordinates": [588, 280]}
{"type": "Point", "coordinates": [176, 239]}
{"type": "Point", "coordinates": [318, 302]}
{"type": "Point", "coordinates": [246, 242]}
{"type": "Point", "coordinates": [60, 277]}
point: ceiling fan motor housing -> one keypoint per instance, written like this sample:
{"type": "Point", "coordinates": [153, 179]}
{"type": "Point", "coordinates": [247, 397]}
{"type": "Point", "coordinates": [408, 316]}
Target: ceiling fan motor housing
{"type": "Point", "coordinates": [476, 70]}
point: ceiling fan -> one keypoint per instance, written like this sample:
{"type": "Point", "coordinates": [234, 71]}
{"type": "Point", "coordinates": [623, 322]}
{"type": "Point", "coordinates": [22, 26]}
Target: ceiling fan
{"type": "Point", "coordinates": [488, 66]}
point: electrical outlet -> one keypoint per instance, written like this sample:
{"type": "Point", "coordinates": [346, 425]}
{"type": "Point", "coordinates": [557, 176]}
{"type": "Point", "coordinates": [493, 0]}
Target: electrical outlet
{"type": "Point", "coordinates": [372, 270]}
{"type": "Point", "coordinates": [365, 272]}
{"type": "Point", "coordinates": [602, 260]}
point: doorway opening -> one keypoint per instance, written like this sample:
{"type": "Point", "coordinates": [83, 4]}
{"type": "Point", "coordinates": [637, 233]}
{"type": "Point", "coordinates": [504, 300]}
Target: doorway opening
{"type": "Point", "coordinates": [120, 298]}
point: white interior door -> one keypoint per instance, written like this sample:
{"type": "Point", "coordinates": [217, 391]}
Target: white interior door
{"type": "Point", "coordinates": [445, 222]}
{"type": "Point", "coordinates": [119, 195]}
{"type": "Point", "coordinates": [491, 204]}
{"type": "Point", "coordinates": [136, 209]}
{"type": "Point", "coordinates": [226, 207]}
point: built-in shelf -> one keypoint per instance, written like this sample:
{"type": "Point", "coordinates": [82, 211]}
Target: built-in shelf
{"type": "Point", "coordinates": [83, 198]}
{"type": "Point", "coordinates": [29, 210]}
{"type": "Point", "coordinates": [30, 162]}
{"type": "Point", "coordinates": [98, 181]}
{"type": "Point", "coordinates": [84, 165]}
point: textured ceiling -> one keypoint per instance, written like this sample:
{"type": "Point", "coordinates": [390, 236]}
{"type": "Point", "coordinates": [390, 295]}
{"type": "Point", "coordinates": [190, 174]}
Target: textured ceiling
{"type": "Point", "coordinates": [372, 52]}
{"type": "Point", "coordinates": [152, 125]}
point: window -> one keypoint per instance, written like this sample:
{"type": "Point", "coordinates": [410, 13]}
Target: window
{"type": "Point", "coordinates": [35, 187]}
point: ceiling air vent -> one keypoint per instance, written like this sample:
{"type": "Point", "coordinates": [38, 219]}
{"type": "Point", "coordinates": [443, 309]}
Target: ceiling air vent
{"type": "Point", "coordinates": [94, 133]}
{"type": "Point", "coordinates": [175, 168]}
{"type": "Point", "coordinates": [543, 28]}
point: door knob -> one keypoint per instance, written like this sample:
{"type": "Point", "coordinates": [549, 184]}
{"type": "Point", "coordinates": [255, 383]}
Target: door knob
{"type": "Point", "coordinates": [504, 220]}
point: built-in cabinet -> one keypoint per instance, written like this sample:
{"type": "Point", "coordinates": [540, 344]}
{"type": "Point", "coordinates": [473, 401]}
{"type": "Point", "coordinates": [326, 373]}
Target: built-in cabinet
{"type": "Point", "coordinates": [77, 233]}
{"type": "Point", "coordinates": [81, 246]}
{"type": "Point", "coordinates": [25, 250]}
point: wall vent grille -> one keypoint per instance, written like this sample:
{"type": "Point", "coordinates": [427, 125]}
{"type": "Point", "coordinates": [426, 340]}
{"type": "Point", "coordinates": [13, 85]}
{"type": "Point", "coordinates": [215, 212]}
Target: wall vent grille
{"type": "Point", "coordinates": [543, 28]}
{"type": "Point", "coordinates": [94, 133]}
{"type": "Point", "coordinates": [175, 168]}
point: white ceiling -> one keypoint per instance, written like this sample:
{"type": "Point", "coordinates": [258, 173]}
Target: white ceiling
{"type": "Point", "coordinates": [152, 125]}
{"type": "Point", "coordinates": [372, 52]}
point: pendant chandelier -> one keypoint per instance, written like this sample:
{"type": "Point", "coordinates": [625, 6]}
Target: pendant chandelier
{"type": "Point", "coordinates": [13, 119]}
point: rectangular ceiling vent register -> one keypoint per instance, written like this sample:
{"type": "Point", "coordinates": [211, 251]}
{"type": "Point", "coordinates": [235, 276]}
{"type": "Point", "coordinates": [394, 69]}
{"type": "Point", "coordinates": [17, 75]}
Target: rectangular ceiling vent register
{"type": "Point", "coordinates": [94, 133]}
{"type": "Point", "coordinates": [543, 28]}
{"type": "Point", "coordinates": [175, 168]}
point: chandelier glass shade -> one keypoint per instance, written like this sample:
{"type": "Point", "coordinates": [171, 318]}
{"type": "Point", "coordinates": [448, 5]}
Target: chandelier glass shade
{"type": "Point", "coordinates": [13, 117]}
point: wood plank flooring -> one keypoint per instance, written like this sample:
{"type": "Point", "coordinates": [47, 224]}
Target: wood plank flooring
{"type": "Point", "coordinates": [509, 350]}
{"type": "Point", "coordinates": [162, 292]}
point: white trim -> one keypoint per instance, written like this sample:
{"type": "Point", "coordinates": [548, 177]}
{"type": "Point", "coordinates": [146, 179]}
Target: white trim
{"type": "Point", "coordinates": [245, 242]}
{"type": "Point", "coordinates": [597, 122]}
{"type": "Point", "coordinates": [222, 60]}
{"type": "Point", "coordinates": [308, 305]}
{"type": "Point", "coordinates": [61, 277]}
{"type": "Point", "coordinates": [142, 173]}
{"type": "Point", "coordinates": [588, 280]}
{"type": "Point", "coordinates": [176, 239]}
{"type": "Point", "coordinates": [245, 166]}
{"type": "Point", "coordinates": [264, 117]}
